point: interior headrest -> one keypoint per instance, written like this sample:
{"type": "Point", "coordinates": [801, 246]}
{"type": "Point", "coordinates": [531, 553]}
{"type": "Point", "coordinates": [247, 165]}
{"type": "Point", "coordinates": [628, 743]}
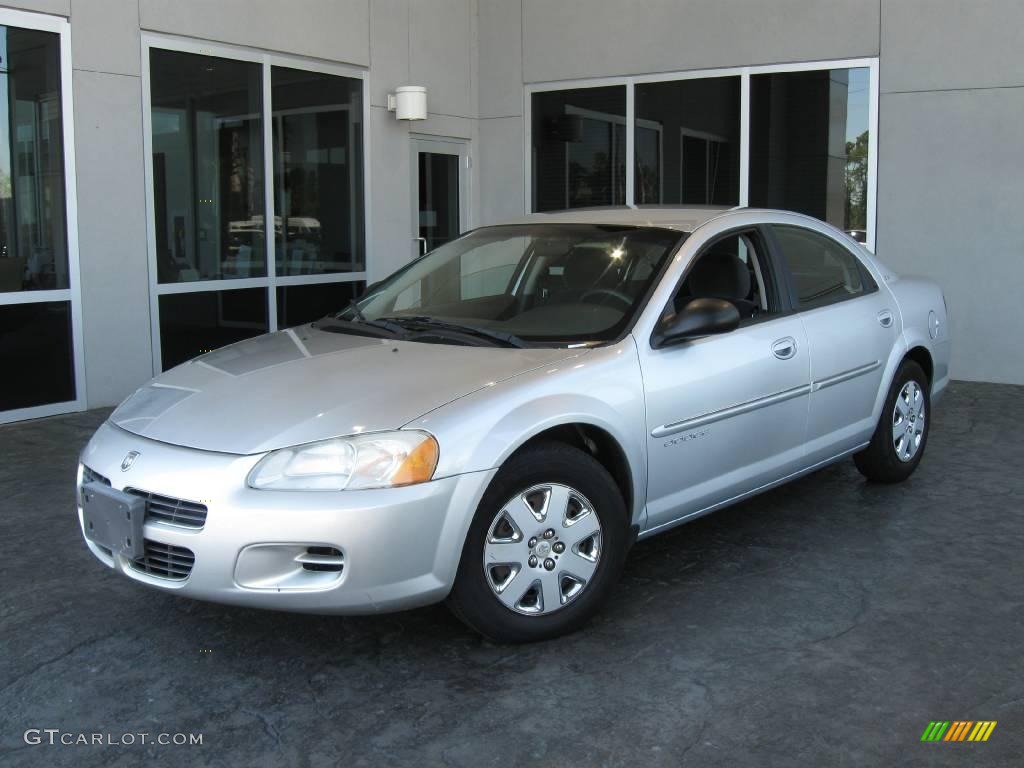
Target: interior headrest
{"type": "Point", "coordinates": [720, 275]}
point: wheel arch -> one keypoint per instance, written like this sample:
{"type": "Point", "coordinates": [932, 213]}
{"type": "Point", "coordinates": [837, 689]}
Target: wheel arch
{"type": "Point", "coordinates": [920, 355]}
{"type": "Point", "coordinates": [600, 444]}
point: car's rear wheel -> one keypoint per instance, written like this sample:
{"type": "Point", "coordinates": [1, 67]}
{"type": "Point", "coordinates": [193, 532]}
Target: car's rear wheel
{"type": "Point", "coordinates": [545, 547]}
{"type": "Point", "coordinates": [899, 440]}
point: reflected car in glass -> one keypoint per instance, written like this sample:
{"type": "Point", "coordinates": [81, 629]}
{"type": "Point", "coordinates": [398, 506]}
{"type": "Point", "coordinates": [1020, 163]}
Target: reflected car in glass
{"type": "Point", "coordinates": [496, 423]}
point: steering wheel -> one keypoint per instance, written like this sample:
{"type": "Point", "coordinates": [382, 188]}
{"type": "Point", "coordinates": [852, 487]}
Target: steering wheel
{"type": "Point", "coordinates": [626, 300]}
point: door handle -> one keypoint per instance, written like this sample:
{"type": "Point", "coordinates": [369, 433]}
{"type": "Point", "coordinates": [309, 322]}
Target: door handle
{"type": "Point", "coordinates": [785, 348]}
{"type": "Point", "coordinates": [885, 318]}
{"type": "Point", "coordinates": [422, 248]}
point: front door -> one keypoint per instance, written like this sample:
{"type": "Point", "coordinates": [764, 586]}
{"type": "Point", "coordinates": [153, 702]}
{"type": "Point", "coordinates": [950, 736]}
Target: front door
{"type": "Point", "coordinates": [440, 192]}
{"type": "Point", "coordinates": [727, 413]}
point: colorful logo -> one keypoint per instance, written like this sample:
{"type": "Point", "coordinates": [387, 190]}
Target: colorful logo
{"type": "Point", "coordinates": [958, 730]}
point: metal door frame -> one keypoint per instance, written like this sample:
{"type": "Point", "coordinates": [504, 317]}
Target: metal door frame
{"type": "Point", "coordinates": [440, 146]}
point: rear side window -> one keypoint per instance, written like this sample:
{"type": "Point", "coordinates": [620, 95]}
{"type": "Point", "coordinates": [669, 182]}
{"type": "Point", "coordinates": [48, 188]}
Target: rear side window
{"type": "Point", "coordinates": [824, 272]}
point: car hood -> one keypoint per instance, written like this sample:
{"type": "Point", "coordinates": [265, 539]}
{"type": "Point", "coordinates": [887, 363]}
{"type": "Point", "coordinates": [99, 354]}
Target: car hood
{"type": "Point", "coordinates": [305, 384]}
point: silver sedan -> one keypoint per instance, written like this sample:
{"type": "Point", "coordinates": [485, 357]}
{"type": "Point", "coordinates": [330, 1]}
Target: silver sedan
{"type": "Point", "coordinates": [497, 422]}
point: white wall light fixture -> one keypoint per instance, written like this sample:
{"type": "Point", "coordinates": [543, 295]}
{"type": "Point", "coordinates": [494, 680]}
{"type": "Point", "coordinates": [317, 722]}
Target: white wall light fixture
{"type": "Point", "coordinates": [408, 102]}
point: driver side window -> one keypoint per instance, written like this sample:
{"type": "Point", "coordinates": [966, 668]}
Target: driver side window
{"type": "Point", "coordinates": [733, 268]}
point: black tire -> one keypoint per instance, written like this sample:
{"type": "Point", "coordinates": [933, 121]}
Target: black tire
{"type": "Point", "coordinates": [472, 599]}
{"type": "Point", "coordinates": [880, 461]}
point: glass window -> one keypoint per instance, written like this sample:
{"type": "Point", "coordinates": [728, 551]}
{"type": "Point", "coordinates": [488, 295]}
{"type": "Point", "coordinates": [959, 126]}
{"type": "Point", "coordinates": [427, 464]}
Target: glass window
{"type": "Point", "coordinates": [579, 148]}
{"type": "Point", "coordinates": [488, 270]}
{"type": "Point", "coordinates": [197, 322]}
{"type": "Point", "coordinates": [210, 196]}
{"type": "Point", "coordinates": [824, 272]}
{"type": "Point", "coordinates": [298, 304]}
{"type": "Point", "coordinates": [688, 142]}
{"type": "Point", "coordinates": [809, 145]}
{"type": "Point", "coordinates": [438, 198]}
{"type": "Point", "coordinates": [318, 172]}
{"type": "Point", "coordinates": [733, 268]}
{"type": "Point", "coordinates": [33, 230]}
{"type": "Point", "coordinates": [35, 347]}
{"type": "Point", "coordinates": [207, 167]}
{"type": "Point", "coordinates": [541, 282]}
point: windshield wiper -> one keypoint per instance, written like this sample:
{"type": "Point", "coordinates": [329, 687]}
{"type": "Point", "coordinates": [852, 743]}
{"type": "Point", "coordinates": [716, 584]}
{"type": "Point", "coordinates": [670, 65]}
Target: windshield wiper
{"type": "Point", "coordinates": [441, 326]}
{"type": "Point", "coordinates": [359, 320]}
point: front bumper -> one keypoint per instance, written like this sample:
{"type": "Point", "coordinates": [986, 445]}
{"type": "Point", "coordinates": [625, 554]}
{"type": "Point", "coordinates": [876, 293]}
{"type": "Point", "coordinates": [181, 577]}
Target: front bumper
{"type": "Point", "coordinates": [399, 547]}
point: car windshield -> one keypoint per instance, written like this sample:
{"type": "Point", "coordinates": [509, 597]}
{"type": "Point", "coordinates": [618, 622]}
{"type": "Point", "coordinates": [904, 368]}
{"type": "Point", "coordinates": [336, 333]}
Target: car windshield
{"type": "Point", "coordinates": [541, 283]}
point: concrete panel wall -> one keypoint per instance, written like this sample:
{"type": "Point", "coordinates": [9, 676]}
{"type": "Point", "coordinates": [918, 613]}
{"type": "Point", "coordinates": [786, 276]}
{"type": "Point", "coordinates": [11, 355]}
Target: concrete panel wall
{"type": "Point", "coordinates": [414, 43]}
{"type": "Point", "coordinates": [105, 36]}
{"type": "Point", "coordinates": [442, 54]}
{"type": "Point", "coordinates": [500, 32]}
{"type": "Point", "coordinates": [111, 197]}
{"type": "Point", "coordinates": [581, 38]}
{"type": "Point", "coordinates": [949, 207]}
{"type": "Point", "coordinates": [56, 7]}
{"type": "Point", "coordinates": [950, 154]}
{"type": "Point", "coordinates": [943, 44]}
{"type": "Point", "coordinates": [336, 30]}
{"type": "Point", "coordinates": [502, 171]}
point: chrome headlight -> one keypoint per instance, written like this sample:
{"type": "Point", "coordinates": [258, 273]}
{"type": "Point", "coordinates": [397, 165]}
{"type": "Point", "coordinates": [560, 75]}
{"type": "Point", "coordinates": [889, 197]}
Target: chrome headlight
{"type": "Point", "coordinates": [374, 460]}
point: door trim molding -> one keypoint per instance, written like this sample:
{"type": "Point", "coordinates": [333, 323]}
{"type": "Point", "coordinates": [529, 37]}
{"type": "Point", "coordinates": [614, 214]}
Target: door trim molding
{"type": "Point", "coordinates": [842, 376]}
{"type": "Point", "coordinates": [733, 410]}
{"type": "Point", "coordinates": [665, 430]}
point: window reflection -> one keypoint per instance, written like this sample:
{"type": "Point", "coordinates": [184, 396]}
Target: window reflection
{"type": "Point", "coordinates": [688, 142]}
{"type": "Point", "coordinates": [35, 346]}
{"type": "Point", "coordinates": [809, 144]}
{"type": "Point", "coordinates": [579, 148]}
{"type": "Point", "coordinates": [33, 236]}
{"type": "Point", "coordinates": [207, 167]}
{"type": "Point", "coordinates": [438, 198]}
{"type": "Point", "coordinates": [318, 181]}
{"type": "Point", "coordinates": [197, 322]}
{"type": "Point", "coordinates": [298, 304]}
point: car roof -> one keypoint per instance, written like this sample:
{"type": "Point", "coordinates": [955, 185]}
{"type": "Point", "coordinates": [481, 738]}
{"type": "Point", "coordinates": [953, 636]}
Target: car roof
{"type": "Point", "coordinates": [679, 218]}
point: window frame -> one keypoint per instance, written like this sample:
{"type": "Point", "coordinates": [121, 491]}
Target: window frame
{"type": "Point", "coordinates": [868, 282]}
{"type": "Point", "coordinates": [271, 281]}
{"type": "Point", "coordinates": [776, 283]}
{"type": "Point", "coordinates": [745, 73]}
{"type": "Point", "coordinates": [73, 293]}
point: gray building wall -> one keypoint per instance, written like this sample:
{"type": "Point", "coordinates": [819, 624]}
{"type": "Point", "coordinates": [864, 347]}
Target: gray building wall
{"type": "Point", "coordinates": [950, 107]}
{"type": "Point", "coordinates": [952, 94]}
{"type": "Point", "coordinates": [399, 42]}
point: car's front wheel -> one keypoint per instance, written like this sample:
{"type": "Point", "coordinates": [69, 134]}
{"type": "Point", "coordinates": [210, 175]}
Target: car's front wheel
{"type": "Point", "coordinates": [545, 547]}
{"type": "Point", "coordinates": [901, 435]}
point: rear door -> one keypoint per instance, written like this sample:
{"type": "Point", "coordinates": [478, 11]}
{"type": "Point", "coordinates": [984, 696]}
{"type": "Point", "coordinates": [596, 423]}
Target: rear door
{"type": "Point", "coordinates": [851, 326]}
{"type": "Point", "coordinates": [727, 413]}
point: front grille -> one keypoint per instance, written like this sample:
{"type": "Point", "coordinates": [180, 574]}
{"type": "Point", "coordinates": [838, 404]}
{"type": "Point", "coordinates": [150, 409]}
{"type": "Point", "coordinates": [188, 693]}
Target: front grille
{"type": "Point", "coordinates": [166, 509]}
{"type": "Point", "coordinates": [165, 561]}
{"type": "Point", "coordinates": [89, 476]}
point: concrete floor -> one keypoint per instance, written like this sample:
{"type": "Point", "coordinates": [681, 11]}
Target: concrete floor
{"type": "Point", "coordinates": [822, 624]}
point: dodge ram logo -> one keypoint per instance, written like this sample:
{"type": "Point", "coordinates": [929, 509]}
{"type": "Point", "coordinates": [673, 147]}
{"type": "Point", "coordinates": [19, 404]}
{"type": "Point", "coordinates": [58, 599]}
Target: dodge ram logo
{"type": "Point", "coordinates": [129, 460]}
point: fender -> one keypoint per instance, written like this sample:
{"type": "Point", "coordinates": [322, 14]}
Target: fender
{"type": "Point", "coordinates": [601, 388]}
{"type": "Point", "coordinates": [925, 323]}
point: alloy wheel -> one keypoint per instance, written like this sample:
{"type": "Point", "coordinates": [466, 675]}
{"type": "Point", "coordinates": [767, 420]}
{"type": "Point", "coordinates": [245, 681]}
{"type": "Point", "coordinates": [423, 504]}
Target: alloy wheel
{"type": "Point", "coordinates": [542, 549]}
{"type": "Point", "coordinates": [908, 417]}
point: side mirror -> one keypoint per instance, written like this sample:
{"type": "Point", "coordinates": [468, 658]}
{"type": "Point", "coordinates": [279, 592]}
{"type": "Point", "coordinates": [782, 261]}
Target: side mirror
{"type": "Point", "coordinates": [701, 317]}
